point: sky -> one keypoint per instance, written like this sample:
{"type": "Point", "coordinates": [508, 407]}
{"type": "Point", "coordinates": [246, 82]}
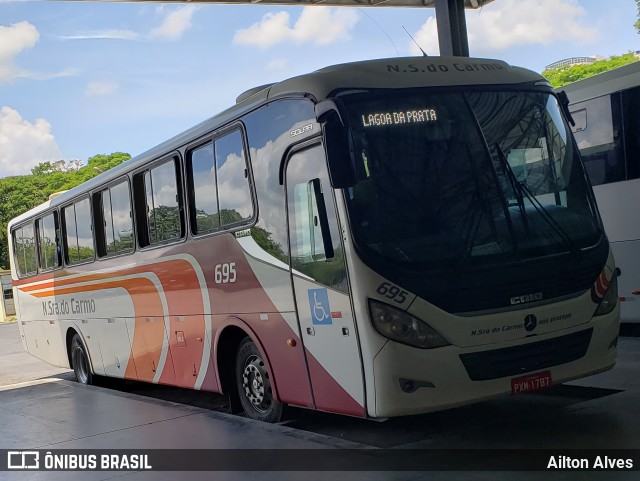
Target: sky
{"type": "Point", "coordinates": [84, 78]}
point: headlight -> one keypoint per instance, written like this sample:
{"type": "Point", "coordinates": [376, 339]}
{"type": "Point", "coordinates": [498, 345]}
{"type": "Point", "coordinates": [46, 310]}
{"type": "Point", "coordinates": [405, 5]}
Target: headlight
{"type": "Point", "coordinates": [402, 327]}
{"type": "Point", "coordinates": [610, 298]}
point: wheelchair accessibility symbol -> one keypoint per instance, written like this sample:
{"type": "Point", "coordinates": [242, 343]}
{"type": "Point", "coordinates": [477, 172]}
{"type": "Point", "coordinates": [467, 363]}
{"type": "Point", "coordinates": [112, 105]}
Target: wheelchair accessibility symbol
{"type": "Point", "coordinates": [319, 305]}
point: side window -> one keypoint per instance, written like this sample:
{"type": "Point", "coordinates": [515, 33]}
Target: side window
{"type": "Point", "coordinates": [316, 244]}
{"type": "Point", "coordinates": [50, 252]}
{"type": "Point", "coordinates": [204, 197]}
{"type": "Point", "coordinates": [310, 244]}
{"type": "Point", "coordinates": [266, 129]}
{"type": "Point", "coordinates": [630, 107]}
{"type": "Point", "coordinates": [78, 232]}
{"type": "Point", "coordinates": [219, 184]}
{"type": "Point", "coordinates": [115, 232]}
{"type": "Point", "coordinates": [161, 219]}
{"type": "Point", "coordinates": [234, 191]}
{"type": "Point", "coordinates": [25, 250]}
{"type": "Point", "coordinates": [598, 132]}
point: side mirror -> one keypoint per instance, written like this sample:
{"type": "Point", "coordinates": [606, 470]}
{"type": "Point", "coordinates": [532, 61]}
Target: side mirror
{"type": "Point", "coordinates": [336, 145]}
{"type": "Point", "coordinates": [564, 105]}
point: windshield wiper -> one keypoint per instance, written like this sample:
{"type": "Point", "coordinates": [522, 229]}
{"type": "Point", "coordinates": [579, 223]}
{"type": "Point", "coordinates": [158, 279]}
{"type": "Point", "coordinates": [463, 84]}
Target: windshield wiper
{"type": "Point", "coordinates": [522, 188]}
{"type": "Point", "coordinates": [515, 185]}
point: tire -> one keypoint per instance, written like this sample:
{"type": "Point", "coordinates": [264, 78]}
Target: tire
{"type": "Point", "coordinates": [80, 361]}
{"type": "Point", "coordinates": [255, 385]}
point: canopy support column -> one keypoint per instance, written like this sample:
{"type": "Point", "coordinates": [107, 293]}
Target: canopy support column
{"type": "Point", "coordinates": [452, 28]}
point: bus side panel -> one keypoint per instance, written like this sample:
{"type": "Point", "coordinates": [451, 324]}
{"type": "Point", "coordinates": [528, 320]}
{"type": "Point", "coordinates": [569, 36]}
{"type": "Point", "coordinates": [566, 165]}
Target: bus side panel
{"type": "Point", "coordinates": [266, 310]}
{"type": "Point", "coordinates": [53, 334]}
{"type": "Point", "coordinates": [34, 339]}
{"type": "Point", "coordinates": [627, 255]}
{"type": "Point", "coordinates": [622, 225]}
{"type": "Point", "coordinates": [32, 326]}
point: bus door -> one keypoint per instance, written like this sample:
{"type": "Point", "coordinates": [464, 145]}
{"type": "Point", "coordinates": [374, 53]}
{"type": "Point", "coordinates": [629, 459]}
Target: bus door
{"type": "Point", "coordinates": [320, 286]}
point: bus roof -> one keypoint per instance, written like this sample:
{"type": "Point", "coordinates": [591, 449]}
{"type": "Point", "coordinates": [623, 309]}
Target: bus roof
{"type": "Point", "coordinates": [404, 72]}
{"type": "Point", "coordinates": [614, 80]}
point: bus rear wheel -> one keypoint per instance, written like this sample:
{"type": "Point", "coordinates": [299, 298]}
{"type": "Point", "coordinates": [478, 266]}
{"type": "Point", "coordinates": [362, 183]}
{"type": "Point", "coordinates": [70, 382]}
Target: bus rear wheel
{"type": "Point", "coordinates": [80, 361]}
{"type": "Point", "coordinates": [255, 385]}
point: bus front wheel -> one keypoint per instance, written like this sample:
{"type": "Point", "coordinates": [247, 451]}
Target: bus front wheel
{"type": "Point", "coordinates": [80, 361]}
{"type": "Point", "coordinates": [255, 385]}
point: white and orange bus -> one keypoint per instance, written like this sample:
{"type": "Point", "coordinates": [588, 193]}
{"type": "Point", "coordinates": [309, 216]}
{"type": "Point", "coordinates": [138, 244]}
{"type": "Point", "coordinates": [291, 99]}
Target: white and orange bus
{"type": "Point", "coordinates": [375, 239]}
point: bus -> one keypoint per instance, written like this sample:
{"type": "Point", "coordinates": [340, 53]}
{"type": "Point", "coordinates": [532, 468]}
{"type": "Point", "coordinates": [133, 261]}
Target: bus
{"type": "Point", "coordinates": [607, 129]}
{"type": "Point", "coordinates": [375, 239]}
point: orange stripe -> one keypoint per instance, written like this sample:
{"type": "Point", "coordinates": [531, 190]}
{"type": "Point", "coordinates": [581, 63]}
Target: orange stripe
{"type": "Point", "coordinates": [179, 280]}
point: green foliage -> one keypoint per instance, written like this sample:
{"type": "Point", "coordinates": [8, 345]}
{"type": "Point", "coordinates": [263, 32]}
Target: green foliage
{"type": "Point", "coordinates": [164, 224]}
{"type": "Point", "coordinates": [21, 193]}
{"type": "Point", "coordinates": [263, 239]}
{"type": "Point", "coordinates": [330, 272]}
{"type": "Point", "coordinates": [637, 24]}
{"type": "Point", "coordinates": [565, 75]}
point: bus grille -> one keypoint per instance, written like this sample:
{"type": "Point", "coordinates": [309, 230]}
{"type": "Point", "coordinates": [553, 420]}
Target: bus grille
{"type": "Point", "coordinates": [511, 361]}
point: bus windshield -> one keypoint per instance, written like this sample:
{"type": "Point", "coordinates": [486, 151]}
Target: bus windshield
{"type": "Point", "coordinates": [453, 179]}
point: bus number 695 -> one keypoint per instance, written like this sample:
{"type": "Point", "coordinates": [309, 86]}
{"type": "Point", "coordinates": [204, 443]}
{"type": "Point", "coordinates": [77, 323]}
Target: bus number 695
{"type": "Point", "coordinates": [225, 273]}
{"type": "Point", "coordinates": [392, 292]}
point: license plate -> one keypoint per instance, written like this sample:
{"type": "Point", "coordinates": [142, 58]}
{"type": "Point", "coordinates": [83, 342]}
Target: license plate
{"type": "Point", "coordinates": [531, 383]}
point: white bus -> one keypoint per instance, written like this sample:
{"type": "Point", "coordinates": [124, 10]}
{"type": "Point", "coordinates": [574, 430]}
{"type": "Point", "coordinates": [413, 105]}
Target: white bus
{"type": "Point", "coordinates": [607, 129]}
{"type": "Point", "coordinates": [376, 239]}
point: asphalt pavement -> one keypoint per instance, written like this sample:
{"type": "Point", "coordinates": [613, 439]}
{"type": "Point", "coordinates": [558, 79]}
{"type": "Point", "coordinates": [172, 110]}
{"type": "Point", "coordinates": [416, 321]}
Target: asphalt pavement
{"type": "Point", "coordinates": [42, 408]}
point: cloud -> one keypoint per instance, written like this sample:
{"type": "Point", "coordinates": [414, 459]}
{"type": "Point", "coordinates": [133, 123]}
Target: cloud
{"type": "Point", "coordinates": [507, 23]}
{"type": "Point", "coordinates": [97, 89]}
{"type": "Point", "coordinates": [277, 64]}
{"type": "Point", "coordinates": [13, 40]}
{"type": "Point", "coordinates": [109, 34]}
{"type": "Point", "coordinates": [175, 23]}
{"type": "Point", "coordinates": [24, 144]}
{"type": "Point", "coordinates": [319, 25]}
{"type": "Point", "coordinates": [67, 72]}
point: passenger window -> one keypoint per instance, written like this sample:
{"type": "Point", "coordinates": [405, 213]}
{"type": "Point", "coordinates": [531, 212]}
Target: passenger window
{"type": "Point", "coordinates": [234, 191]}
{"type": "Point", "coordinates": [78, 232]}
{"type": "Point", "coordinates": [598, 134]}
{"type": "Point", "coordinates": [163, 204]}
{"type": "Point", "coordinates": [116, 234]}
{"type": "Point", "coordinates": [121, 218]}
{"type": "Point", "coordinates": [204, 192]}
{"type": "Point", "coordinates": [25, 250]}
{"type": "Point", "coordinates": [219, 184]}
{"type": "Point", "coordinates": [631, 105]}
{"type": "Point", "coordinates": [49, 242]}
{"type": "Point", "coordinates": [266, 127]}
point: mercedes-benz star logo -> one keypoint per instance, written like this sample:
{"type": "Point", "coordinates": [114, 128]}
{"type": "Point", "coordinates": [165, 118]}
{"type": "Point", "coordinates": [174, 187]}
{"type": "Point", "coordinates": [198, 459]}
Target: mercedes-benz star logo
{"type": "Point", "coordinates": [530, 322]}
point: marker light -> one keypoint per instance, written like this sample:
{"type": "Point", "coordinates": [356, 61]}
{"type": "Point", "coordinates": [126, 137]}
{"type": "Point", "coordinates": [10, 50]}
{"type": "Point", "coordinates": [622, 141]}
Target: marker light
{"type": "Point", "coordinates": [399, 326]}
{"type": "Point", "coordinates": [610, 298]}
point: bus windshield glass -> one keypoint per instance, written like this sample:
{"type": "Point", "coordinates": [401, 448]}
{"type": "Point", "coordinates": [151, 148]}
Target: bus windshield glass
{"type": "Point", "coordinates": [466, 179]}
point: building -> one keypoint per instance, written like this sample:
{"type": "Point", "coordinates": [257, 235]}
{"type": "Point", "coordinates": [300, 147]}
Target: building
{"type": "Point", "coordinates": [7, 307]}
{"type": "Point", "coordinates": [569, 62]}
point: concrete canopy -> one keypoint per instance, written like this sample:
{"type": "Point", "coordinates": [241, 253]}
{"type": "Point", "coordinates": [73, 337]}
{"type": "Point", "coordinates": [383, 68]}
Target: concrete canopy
{"type": "Point", "coordinates": [335, 3]}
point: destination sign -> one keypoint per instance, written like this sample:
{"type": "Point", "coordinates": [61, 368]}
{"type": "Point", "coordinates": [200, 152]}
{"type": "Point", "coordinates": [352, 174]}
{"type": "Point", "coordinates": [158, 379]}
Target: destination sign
{"type": "Point", "coordinates": [399, 117]}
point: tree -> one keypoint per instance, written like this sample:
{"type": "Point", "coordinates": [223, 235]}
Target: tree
{"type": "Point", "coordinates": [637, 24]}
{"type": "Point", "coordinates": [44, 168]}
{"type": "Point", "coordinates": [564, 75]}
{"type": "Point", "coordinates": [21, 193]}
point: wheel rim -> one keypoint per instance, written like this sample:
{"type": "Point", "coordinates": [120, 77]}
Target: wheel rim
{"type": "Point", "coordinates": [256, 385]}
{"type": "Point", "coordinates": [80, 365]}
